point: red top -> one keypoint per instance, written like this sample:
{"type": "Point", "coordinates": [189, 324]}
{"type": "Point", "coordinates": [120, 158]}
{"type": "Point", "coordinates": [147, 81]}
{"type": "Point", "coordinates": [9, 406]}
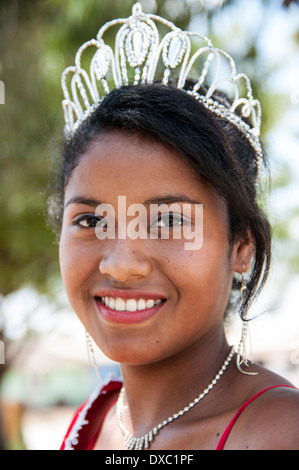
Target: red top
{"type": "Point", "coordinates": [84, 429]}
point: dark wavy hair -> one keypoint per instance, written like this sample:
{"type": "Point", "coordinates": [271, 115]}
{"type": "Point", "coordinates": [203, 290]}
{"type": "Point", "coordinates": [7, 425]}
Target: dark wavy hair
{"type": "Point", "coordinates": [216, 150]}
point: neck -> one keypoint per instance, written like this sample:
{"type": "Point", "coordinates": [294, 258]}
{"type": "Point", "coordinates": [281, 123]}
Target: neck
{"type": "Point", "coordinates": [156, 391]}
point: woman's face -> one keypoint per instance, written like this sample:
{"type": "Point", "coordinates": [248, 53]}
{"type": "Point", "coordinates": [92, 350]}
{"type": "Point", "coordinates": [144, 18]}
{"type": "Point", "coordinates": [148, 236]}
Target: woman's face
{"type": "Point", "coordinates": [144, 299]}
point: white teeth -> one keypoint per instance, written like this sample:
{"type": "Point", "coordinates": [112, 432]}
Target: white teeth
{"type": "Point", "coordinates": [129, 305]}
{"type": "Point", "coordinates": [141, 305]}
{"type": "Point", "coordinates": [150, 303]}
{"type": "Point", "coordinates": [120, 304]}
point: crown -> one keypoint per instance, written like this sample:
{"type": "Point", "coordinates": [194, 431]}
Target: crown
{"type": "Point", "coordinates": [140, 56]}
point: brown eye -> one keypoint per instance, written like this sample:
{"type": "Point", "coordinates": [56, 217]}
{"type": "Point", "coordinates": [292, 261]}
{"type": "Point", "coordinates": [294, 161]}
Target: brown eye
{"type": "Point", "coordinates": [168, 220]}
{"type": "Point", "coordinates": [90, 221]}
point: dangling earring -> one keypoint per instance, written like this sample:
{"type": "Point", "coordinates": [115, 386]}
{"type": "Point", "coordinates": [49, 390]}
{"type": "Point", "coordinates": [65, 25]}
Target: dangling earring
{"type": "Point", "coordinates": [241, 353]}
{"type": "Point", "coordinates": [91, 356]}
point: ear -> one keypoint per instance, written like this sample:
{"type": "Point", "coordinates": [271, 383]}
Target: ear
{"type": "Point", "coordinates": [243, 252]}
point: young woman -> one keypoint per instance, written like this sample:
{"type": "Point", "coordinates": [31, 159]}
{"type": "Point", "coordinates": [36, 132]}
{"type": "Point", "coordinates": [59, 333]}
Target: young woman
{"type": "Point", "coordinates": [149, 303]}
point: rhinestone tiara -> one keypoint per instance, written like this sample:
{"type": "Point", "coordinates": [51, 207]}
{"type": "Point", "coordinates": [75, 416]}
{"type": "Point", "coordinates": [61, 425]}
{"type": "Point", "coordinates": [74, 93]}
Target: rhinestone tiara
{"type": "Point", "coordinates": [140, 56]}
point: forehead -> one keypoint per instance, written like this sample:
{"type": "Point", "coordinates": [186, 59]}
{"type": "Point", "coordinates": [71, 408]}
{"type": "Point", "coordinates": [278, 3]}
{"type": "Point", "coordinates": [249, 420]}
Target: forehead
{"type": "Point", "coordinates": [117, 163]}
{"type": "Point", "coordinates": [116, 154]}
{"type": "Point", "coordinates": [127, 149]}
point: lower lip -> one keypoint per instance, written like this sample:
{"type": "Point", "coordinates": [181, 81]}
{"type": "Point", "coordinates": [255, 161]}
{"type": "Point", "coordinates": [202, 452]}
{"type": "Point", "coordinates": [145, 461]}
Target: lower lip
{"type": "Point", "coordinates": [138, 316]}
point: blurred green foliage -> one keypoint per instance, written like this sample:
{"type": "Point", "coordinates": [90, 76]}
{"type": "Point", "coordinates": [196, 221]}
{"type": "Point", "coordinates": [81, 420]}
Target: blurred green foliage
{"type": "Point", "coordinates": [38, 39]}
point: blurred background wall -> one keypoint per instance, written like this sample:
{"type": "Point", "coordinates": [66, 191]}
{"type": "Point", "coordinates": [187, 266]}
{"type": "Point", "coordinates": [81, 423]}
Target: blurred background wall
{"type": "Point", "coordinates": [44, 368]}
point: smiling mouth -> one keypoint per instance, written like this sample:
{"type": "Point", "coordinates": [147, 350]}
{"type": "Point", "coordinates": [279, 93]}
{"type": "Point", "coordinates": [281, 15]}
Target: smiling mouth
{"type": "Point", "coordinates": [129, 305]}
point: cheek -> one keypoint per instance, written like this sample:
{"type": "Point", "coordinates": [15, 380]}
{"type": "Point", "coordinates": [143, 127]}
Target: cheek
{"type": "Point", "coordinates": [76, 265]}
{"type": "Point", "coordinates": [204, 277]}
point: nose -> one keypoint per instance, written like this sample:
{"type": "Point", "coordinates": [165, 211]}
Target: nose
{"type": "Point", "coordinates": [124, 260]}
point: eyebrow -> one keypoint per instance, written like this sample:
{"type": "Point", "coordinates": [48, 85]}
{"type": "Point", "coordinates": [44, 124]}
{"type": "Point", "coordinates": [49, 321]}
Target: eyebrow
{"type": "Point", "coordinates": [87, 201]}
{"type": "Point", "coordinates": [167, 199]}
{"type": "Point", "coordinates": [170, 199]}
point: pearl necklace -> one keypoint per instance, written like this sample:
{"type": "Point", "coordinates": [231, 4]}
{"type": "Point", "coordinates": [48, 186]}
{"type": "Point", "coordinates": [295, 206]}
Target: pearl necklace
{"type": "Point", "coordinates": [143, 442]}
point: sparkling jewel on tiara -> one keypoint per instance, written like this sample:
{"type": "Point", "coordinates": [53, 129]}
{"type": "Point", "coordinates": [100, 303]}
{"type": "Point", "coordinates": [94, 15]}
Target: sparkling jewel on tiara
{"type": "Point", "coordinates": [144, 442]}
{"type": "Point", "coordinates": [140, 56]}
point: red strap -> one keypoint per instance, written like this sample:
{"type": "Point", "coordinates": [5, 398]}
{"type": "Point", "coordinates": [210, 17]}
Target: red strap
{"type": "Point", "coordinates": [231, 424]}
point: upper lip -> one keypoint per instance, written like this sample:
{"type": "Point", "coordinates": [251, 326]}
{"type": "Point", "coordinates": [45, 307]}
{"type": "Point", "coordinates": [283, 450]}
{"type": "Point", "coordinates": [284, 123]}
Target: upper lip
{"type": "Point", "coordinates": [129, 294]}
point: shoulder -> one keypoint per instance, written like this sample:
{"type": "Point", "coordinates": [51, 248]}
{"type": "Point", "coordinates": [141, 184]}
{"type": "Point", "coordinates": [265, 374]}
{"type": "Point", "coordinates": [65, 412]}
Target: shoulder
{"type": "Point", "coordinates": [265, 414]}
{"type": "Point", "coordinates": [271, 420]}
{"type": "Point", "coordinates": [275, 418]}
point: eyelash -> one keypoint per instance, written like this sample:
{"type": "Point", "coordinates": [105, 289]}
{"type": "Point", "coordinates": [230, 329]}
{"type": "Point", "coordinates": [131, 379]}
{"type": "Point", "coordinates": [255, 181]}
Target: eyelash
{"type": "Point", "coordinates": [87, 217]}
{"type": "Point", "coordinates": [172, 217]}
{"type": "Point", "coordinates": [175, 221]}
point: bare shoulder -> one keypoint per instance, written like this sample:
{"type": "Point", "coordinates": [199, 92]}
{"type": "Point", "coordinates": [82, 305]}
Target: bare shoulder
{"type": "Point", "coordinates": [271, 421]}
{"type": "Point", "coordinates": [276, 419]}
